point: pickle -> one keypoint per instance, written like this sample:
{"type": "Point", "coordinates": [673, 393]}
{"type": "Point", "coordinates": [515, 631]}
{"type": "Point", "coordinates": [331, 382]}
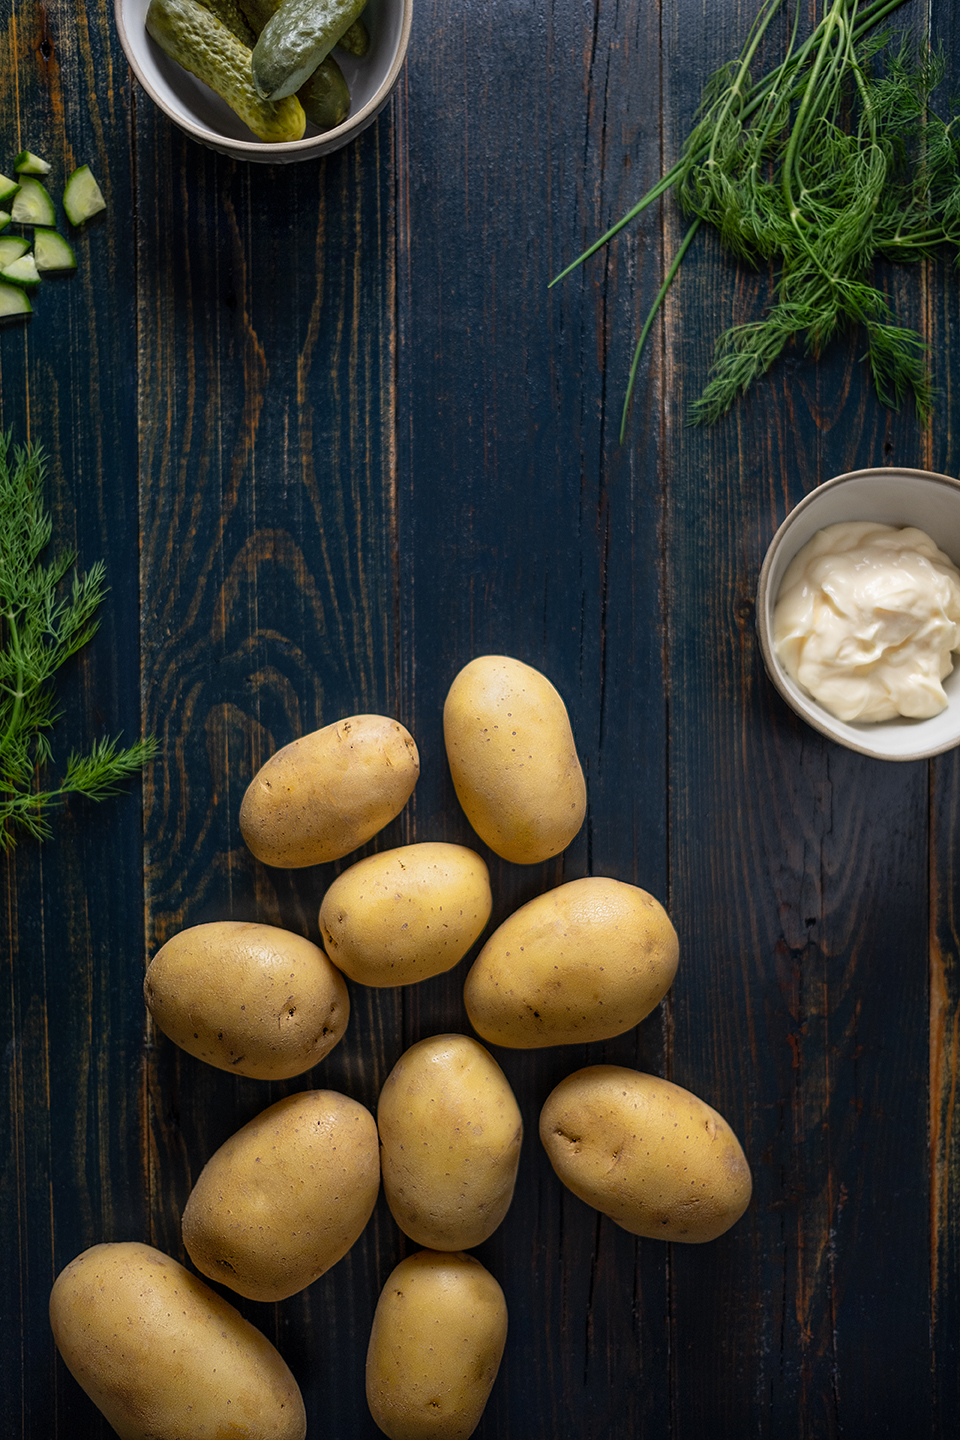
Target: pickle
{"type": "Point", "coordinates": [355, 39]}
{"type": "Point", "coordinates": [196, 39]}
{"type": "Point", "coordinates": [295, 39]}
{"type": "Point", "coordinates": [326, 96]}
{"type": "Point", "coordinates": [232, 15]}
{"type": "Point", "coordinates": [258, 12]}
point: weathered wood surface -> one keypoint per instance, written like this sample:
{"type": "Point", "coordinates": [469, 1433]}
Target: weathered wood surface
{"type": "Point", "coordinates": [333, 436]}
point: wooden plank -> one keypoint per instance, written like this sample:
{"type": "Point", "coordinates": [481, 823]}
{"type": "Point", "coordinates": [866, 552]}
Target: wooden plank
{"type": "Point", "coordinates": [267, 491]}
{"type": "Point", "coordinates": [525, 530]}
{"type": "Point", "coordinates": [72, 1022]}
{"type": "Point", "coordinates": [943, 321]}
{"type": "Point", "coordinates": [944, 1030]}
{"type": "Point", "coordinates": [799, 874]}
{"type": "Point", "coordinates": [360, 442]}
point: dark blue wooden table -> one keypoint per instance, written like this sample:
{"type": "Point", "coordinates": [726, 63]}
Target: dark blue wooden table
{"type": "Point", "coordinates": [334, 436]}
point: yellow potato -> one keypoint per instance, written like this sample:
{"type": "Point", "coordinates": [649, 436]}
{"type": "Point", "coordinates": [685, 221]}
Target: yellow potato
{"type": "Point", "coordinates": [406, 914]}
{"type": "Point", "coordinates": [161, 1354]}
{"type": "Point", "coordinates": [656, 1159]}
{"type": "Point", "coordinates": [284, 1198]}
{"type": "Point", "coordinates": [252, 999]}
{"type": "Point", "coordinates": [329, 792]}
{"type": "Point", "coordinates": [513, 759]}
{"type": "Point", "coordinates": [583, 962]}
{"type": "Point", "coordinates": [450, 1135]}
{"type": "Point", "coordinates": [435, 1347]}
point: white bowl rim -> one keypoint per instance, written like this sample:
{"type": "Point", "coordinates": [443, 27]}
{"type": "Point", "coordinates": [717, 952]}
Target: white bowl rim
{"type": "Point", "coordinates": [262, 150]}
{"type": "Point", "coordinates": [808, 710]}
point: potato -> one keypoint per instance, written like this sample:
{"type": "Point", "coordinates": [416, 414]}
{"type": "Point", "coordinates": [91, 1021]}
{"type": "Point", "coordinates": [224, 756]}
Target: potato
{"type": "Point", "coordinates": [513, 759]}
{"type": "Point", "coordinates": [406, 914]}
{"type": "Point", "coordinates": [329, 792]}
{"type": "Point", "coordinates": [583, 962]}
{"type": "Point", "coordinates": [435, 1347]}
{"type": "Point", "coordinates": [656, 1159]}
{"type": "Point", "coordinates": [450, 1135]}
{"type": "Point", "coordinates": [161, 1354]}
{"type": "Point", "coordinates": [284, 1198]}
{"type": "Point", "coordinates": [252, 999]}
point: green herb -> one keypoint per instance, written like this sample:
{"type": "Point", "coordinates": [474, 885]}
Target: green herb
{"type": "Point", "coordinates": [820, 168]}
{"type": "Point", "coordinates": [43, 622]}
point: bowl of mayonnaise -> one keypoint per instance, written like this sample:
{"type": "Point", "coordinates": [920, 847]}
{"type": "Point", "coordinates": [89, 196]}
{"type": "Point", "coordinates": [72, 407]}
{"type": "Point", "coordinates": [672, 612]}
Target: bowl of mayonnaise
{"type": "Point", "coordinates": [858, 612]}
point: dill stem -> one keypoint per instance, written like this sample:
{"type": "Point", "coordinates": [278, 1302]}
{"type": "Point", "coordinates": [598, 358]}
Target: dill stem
{"type": "Point", "coordinates": [743, 69]}
{"type": "Point", "coordinates": [807, 82]}
{"type": "Point", "coordinates": [869, 17]}
{"type": "Point", "coordinates": [776, 100]}
{"type": "Point", "coordinates": [661, 295]}
{"type": "Point", "coordinates": [829, 23]}
{"type": "Point", "coordinates": [662, 186]}
{"type": "Point", "coordinates": [873, 14]}
{"type": "Point", "coordinates": [920, 241]}
{"type": "Point", "coordinates": [16, 649]}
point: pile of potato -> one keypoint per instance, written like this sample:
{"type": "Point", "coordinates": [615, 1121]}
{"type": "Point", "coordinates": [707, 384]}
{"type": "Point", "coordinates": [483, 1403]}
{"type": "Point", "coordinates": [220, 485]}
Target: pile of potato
{"type": "Point", "coordinates": [282, 1200]}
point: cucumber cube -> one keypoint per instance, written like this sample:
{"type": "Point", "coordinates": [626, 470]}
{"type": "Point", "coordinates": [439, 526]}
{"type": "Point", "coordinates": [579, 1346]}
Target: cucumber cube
{"type": "Point", "coordinates": [32, 204]}
{"type": "Point", "coordinates": [52, 251]}
{"type": "Point", "coordinates": [22, 272]}
{"type": "Point", "coordinates": [82, 196]}
{"type": "Point", "coordinates": [11, 248]}
{"type": "Point", "coordinates": [14, 301]}
{"type": "Point", "coordinates": [27, 163]}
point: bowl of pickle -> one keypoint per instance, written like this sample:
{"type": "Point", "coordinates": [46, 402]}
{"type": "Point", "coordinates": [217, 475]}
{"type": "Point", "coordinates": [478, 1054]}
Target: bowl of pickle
{"type": "Point", "coordinates": [270, 81]}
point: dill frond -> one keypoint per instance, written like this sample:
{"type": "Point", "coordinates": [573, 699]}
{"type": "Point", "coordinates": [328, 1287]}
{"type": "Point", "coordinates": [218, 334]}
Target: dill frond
{"type": "Point", "coordinates": [43, 622]}
{"type": "Point", "coordinates": [832, 161]}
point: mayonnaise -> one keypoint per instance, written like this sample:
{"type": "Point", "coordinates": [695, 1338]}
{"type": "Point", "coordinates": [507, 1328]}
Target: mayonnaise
{"type": "Point", "coordinates": [866, 620]}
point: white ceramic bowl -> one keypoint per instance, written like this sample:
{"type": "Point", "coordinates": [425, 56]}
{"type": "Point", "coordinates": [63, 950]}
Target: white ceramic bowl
{"type": "Point", "coordinates": [208, 119]}
{"type": "Point", "coordinates": [888, 497]}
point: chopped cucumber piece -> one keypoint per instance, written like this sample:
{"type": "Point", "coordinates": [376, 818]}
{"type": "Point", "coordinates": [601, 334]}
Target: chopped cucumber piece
{"type": "Point", "coordinates": [11, 248]}
{"type": "Point", "coordinates": [32, 204]}
{"type": "Point", "coordinates": [27, 163]}
{"type": "Point", "coordinates": [22, 272]}
{"type": "Point", "coordinates": [13, 301]}
{"type": "Point", "coordinates": [4, 219]}
{"type": "Point", "coordinates": [82, 196]}
{"type": "Point", "coordinates": [8, 188]}
{"type": "Point", "coordinates": [52, 251]}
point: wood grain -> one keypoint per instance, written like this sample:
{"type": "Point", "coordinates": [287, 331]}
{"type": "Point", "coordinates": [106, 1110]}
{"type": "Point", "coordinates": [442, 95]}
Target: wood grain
{"type": "Point", "coordinates": [802, 868]}
{"type": "Point", "coordinates": [942, 321]}
{"type": "Point", "coordinates": [334, 436]}
{"type": "Point", "coordinates": [72, 1039]}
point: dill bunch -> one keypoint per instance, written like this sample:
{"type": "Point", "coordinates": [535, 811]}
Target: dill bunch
{"type": "Point", "coordinates": [828, 164]}
{"type": "Point", "coordinates": [43, 622]}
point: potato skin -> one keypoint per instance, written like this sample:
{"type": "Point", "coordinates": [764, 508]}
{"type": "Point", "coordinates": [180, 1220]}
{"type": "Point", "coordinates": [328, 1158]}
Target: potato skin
{"type": "Point", "coordinates": [284, 1198]}
{"type": "Point", "coordinates": [450, 1137]}
{"type": "Point", "coordinates": [583, 962]}
{"type": "Point", "coordinates": [406, 914]}
{"type": "Point", "coordinates": [327, 793]}
{"type": "Point", "coordinates": [513, 759]}
{"type": "Point", "coordinates": [436, 1344]}
{"type": "Point", "coordinates": [653, 1157]}
{"type": "Point", "coordinates": [252, 999]}
{"type": "Point", "coordinates": [163, 1356]}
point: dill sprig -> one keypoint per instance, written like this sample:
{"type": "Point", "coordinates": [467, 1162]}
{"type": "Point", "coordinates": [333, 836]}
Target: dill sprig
{"type": "Point", "coordinates": [827, 164]}
{"type": "Point", "coordinates": [43, 622]}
